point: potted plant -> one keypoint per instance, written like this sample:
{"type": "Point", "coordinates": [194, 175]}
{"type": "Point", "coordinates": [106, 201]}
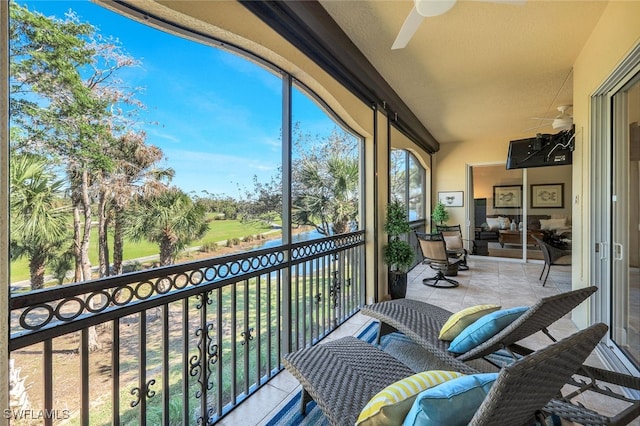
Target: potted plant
{"type": "Point", "coordinates": [397, 254]}
{"type": "Point", "coordinates": [440, 214]}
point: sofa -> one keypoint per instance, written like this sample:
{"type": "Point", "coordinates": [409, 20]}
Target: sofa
{"type": "Point", "coordinates": [554, 229]}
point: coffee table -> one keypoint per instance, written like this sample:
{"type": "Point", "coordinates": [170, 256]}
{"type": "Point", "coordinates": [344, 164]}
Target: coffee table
{"type": "Point", "coordinates": [515, 237]}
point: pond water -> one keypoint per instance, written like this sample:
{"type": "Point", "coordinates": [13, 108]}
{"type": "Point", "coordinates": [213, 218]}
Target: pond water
{"type": "Point", "coordinates": [296, 238]}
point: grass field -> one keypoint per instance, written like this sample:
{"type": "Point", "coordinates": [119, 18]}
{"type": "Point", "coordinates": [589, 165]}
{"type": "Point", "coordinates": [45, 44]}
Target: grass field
{"type": "Point", "coordinates": [219, 230]}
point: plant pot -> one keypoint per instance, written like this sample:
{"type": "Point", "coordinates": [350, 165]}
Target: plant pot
{"type": "Point", "coordinates": [397, 284]}
{"type": "Point", "coordinates": [452, 270]}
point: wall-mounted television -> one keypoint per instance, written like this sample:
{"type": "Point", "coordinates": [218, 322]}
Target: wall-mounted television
{"type": "Point", "coordinates": [541, 151]}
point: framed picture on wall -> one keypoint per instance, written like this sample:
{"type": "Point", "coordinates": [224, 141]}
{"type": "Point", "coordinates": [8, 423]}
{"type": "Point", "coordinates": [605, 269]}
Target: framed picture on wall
{"type": "Point", "coordinates": [451, 198]}
{"type": "Point", "coordinates": [507, 197]}
{"type": "Point", "coordinates": [547, 196]}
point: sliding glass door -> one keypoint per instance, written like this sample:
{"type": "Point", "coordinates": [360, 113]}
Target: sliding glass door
{"type": "Point", "coordinates": [625, 208]}
{"type": "Point", "coordinates": [615, 219]}
{"type": "Point", "coordinates": [511, 207]}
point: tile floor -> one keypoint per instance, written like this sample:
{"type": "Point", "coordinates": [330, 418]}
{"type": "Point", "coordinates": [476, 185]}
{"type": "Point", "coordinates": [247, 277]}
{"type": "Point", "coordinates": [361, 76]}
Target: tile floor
{"type": "Point", "coordinates": [506, 283]}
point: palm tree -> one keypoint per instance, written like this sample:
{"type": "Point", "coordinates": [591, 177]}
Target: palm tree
{"type": "Point", "coordinates": [170, 219]}
{"type": "Point", "coordinates": [38, 223]}
{"type": "Point", "coordinates": [135, 175]}
{"type": "Point", "coordinates": [327, 193]}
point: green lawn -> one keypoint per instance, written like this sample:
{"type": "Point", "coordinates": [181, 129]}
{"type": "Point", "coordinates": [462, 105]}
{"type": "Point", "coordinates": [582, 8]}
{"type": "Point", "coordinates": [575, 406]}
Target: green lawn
{"type": "Point", "coordinates": [219, 230]}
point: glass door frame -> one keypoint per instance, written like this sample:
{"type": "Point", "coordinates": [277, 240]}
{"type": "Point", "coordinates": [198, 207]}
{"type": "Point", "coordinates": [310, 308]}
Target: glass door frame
{"type": "Point", "coordinates": [604, 239]}
{"type": "Point", "coordinates": [469, 211]}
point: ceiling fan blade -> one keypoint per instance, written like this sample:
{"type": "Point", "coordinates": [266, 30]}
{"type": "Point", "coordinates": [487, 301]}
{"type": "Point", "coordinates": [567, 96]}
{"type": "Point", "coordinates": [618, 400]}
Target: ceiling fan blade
{"type": "Point", "coordinates": [410, 26]}
{"type": "Point", "coordinates": [516, 2]}
{"type": "Point", "coordinates": [429, 8]}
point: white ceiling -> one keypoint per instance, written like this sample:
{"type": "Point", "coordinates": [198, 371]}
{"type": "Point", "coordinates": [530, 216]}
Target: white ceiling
{"type": "Point", "coordinates": [482, 70]}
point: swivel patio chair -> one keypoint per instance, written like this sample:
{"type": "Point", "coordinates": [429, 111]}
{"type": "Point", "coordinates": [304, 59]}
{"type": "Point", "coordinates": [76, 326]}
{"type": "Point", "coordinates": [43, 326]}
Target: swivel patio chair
{"type": "Point", "coordinates": [434, 252]}
{"type": "Point", "coordinates": [455, 244]}
{"type": "Point", "coordinates": [343, 375]}
{"type": "Point", "coordinates": [552, 256]}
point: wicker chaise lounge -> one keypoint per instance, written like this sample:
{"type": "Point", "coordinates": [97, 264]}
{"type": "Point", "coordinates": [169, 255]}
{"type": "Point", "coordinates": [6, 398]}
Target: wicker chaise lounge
{"type": "Point", "coordinates": [422, 322]}
{"type": "Point", "coordinates": [342, 376]}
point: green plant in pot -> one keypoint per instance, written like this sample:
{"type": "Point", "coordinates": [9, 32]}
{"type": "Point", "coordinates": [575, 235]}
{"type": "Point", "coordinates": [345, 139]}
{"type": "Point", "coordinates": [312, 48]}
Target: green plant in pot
{"type": "Point", "coordinates": [440, 214]}
{"type": "Point", "coordinates": [397, 254]}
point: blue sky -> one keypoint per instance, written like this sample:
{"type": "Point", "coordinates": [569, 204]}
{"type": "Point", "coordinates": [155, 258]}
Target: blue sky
{"type": "Point", "coordinates": [218, 114]}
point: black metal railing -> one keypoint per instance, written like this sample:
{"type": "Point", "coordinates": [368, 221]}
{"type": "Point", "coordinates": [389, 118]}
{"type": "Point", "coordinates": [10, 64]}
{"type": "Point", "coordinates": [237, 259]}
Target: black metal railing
{"type": "Point", "coordinates": [182, 344]}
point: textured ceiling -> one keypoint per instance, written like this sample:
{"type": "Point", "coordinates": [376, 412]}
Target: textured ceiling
{"type": "Point", "coordinates": [482, 70]}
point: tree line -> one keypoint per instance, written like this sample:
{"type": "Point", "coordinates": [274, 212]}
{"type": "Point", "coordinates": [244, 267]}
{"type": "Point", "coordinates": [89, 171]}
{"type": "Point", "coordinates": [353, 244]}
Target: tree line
{"type": "Point", "coordinates": [79, 156]}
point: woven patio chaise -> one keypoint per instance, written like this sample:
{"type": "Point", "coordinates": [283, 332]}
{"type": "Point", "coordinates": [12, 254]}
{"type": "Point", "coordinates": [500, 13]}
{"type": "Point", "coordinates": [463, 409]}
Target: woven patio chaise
{"type": "Point", "coordinates": [343, 375]}
{"type": "Point", "coordinates": [422, 322]}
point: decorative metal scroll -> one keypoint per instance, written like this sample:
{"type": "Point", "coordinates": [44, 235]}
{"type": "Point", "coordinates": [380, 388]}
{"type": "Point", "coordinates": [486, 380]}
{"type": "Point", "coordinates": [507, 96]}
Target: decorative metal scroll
{"type": "Point", "coordinates": [138, 393]}
{"type": "Point", "coordinates": [200, 368]}
{"type": "Point", "coordinates": [334, 289]}
{"type": "Point", "coordinates": [246, 336]}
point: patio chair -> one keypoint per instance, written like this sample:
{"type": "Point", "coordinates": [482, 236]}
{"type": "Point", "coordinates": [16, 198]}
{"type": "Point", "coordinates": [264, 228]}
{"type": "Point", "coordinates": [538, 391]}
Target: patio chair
{"type": "Point", "coordinates": [552, 256]}
{"type": "Point", "coordinates": [343, 375]}
{"type": "Point", "coordinates": [455, 244]}
{"type": "Point", "coordinates": [434, 252]}
{"type": "Point", "coordinates": [422, 322]}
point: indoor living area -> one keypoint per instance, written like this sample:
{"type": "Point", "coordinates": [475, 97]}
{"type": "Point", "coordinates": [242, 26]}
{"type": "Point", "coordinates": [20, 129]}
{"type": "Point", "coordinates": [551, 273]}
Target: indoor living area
{"type": "Point", "coordinates": [506, 212]}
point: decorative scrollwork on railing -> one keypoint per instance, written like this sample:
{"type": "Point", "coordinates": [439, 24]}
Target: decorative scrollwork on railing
{"type": "Point", "coordinates": [203, 299]}
{"type": "Point", "coordinates": [202, 421]}
{"type": "Point", "coordinates": [197, 369]}
{"type": "Point", "coordinates": [151, 393]}
{"type": "Point", "coordinates": [246, 336]}
{"type": "Point", "coordinates": [77, 303]}
{"type": "Point", "coordinates": [334, 289]}
{"type": "Point", "coordinates": [330, 245]}
{"type": "Point", "coordinates": [137, 393]}
{"type": "Point", "coordinates": [318, 298]}
{"type": "Point", "coordinates": [36, 314]}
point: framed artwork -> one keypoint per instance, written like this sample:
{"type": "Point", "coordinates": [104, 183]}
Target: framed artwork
{"type": "Point", "coordinates": [547, 196]}
{"type": "Point", "coordinates": [451, 198]}
{"type": "Point", "coordinates": [507, 197]}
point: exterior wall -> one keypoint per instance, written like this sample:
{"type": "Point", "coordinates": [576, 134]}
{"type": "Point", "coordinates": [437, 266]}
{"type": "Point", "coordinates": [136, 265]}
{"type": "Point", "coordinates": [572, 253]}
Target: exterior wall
{"type": "Point", "coordinates": [614, 36]}
{"type": "Point", "coordinates": [450, 170]}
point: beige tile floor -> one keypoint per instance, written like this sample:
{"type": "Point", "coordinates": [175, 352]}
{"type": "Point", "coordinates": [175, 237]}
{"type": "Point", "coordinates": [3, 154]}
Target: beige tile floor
{"type": "Point", "coordinates": [507, 283]}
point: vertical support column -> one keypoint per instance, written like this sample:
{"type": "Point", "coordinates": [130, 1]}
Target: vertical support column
{"type": "Point", "coordinates": [286, 211]}
{"type": "Point", "coordinates": [4, 207]}
{"type": "Point", "coordinates": [377, 195]}
{"type": "Point", "coordinates": [383, 149]}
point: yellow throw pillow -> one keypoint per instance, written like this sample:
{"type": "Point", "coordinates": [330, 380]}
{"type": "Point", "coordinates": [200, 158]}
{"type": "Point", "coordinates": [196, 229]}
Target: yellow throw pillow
{"type": "Point", "coordinates": [462, 319]}
{"type": "Point", "coordinates": [391, 405]}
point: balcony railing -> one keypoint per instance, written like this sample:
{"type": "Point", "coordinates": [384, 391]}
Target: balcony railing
{"type": "Point", "coordinates": [182, 344]}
